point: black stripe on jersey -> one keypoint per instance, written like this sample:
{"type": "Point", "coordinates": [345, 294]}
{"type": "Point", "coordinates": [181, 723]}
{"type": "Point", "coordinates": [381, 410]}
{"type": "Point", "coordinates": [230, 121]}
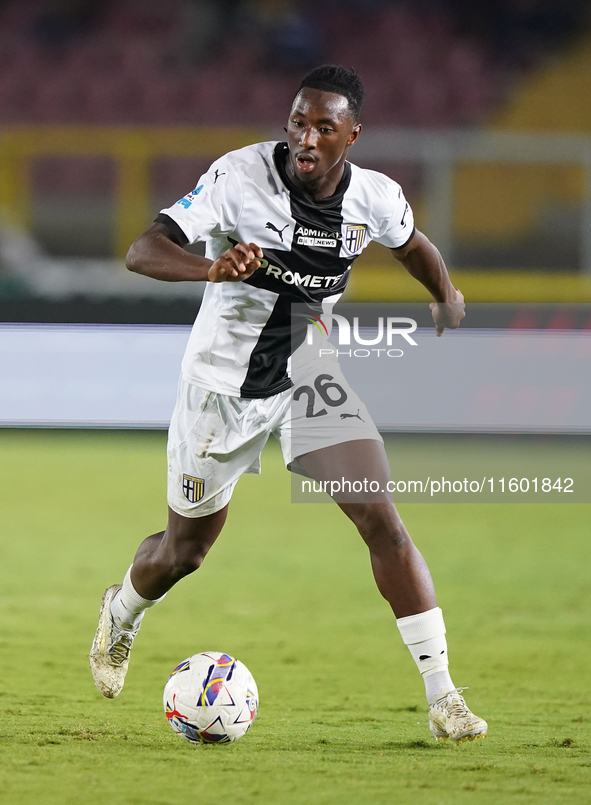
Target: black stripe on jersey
{"type": "Point", "coordinates": [316, 221]}
{"type": "Point", "coordinates": [267, 368]}
{"type": "Point", "coordinates": [176, 233]}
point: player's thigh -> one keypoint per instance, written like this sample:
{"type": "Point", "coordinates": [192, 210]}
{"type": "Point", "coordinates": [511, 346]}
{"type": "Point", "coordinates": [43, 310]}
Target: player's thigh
{"type": "Point", "coordinates": [355, 460]}
{"type": "Point", "coordinates": [355, 472]}
{"type": "Point", "coordinates": [356, 475]}
{"type": "Point", "coordinates": [331, 437]}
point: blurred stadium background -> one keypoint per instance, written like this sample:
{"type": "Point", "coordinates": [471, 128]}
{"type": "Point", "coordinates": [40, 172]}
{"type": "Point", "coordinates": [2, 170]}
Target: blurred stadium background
{"type": "Point", "coordinates": [110, 110]}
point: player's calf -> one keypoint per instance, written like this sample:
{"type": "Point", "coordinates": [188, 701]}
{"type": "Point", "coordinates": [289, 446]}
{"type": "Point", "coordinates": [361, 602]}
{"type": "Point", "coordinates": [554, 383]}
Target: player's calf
{"type": "Point", "coordinates": [165, 558]}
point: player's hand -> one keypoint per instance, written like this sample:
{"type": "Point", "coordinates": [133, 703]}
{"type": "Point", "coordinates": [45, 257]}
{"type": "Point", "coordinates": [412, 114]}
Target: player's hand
{"type": "Point", "coordinates": [448, 314]}
{"type": "Point", "coordinates": [237, 264]}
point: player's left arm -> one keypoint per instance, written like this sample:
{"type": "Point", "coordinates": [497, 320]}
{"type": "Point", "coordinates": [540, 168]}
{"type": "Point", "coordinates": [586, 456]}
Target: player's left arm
{"type": "Point", "coordinates": [423, 261]}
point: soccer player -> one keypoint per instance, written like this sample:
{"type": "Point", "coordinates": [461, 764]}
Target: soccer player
{"type": "Point", "coordinates": [283, 223]}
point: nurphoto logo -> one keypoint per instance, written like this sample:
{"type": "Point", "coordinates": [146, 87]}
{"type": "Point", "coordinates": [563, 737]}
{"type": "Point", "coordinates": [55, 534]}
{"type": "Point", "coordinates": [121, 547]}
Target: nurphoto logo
{"type": "Point", "coordinates": [400, 326]}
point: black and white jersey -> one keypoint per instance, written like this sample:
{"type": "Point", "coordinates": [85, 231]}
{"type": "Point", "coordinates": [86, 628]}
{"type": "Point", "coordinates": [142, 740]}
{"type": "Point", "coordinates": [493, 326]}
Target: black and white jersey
{"type": "Point", "coordinates": [240, 343]}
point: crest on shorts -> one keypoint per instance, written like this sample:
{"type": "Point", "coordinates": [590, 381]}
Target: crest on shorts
{"type": "Point", "coordinates": [355, 237]}
{"type": "Point", "coordinates": [193, 488]}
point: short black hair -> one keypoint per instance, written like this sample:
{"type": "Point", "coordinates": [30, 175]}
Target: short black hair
{"type": "Point", "coordinates": [337, 79]}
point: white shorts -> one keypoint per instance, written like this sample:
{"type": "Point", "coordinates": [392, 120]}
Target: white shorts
{"type": "Point", "coordinates": [215, 438]}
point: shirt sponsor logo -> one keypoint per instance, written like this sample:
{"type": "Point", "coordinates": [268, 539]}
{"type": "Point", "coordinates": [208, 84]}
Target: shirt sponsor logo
{"type": "Point", "coordinates": [308, 280]}
{"type": "Point", "coordinates": [316, 237]}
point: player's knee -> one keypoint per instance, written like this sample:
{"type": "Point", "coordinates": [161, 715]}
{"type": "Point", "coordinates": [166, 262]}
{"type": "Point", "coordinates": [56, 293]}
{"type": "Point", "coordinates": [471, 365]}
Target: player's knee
{"type": "Point", "coordinates": [389, 537]}
{"type": "Point", "coordinates": [397, 537]}
{"type": "Point", "coordinates": [183, 556]}
{"type": "Point", "coordinates": [182, 560]}
{"type": "Point", "coordinates": [186, 563]}
{"type": "Point", "coordinates": [382, 529]}
{"type": "Point", "coordinates": [186, 545]}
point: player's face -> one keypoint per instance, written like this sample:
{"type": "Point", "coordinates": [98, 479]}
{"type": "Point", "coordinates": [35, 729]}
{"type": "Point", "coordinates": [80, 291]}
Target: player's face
{"type": "Point", "coordinates": [320, 130]}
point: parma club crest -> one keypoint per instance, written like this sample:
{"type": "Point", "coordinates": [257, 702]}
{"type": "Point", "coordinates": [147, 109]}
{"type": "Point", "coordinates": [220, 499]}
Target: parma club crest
{"type": "Point", "coordinates": [193, 488]}
{"type": "Point", "coordinates": [355, 237]}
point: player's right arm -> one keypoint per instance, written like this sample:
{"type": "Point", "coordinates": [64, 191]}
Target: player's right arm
{"type": "Point", "coordinates": [156, 254]}
{"type": "Point", "coordinates": [213, 207]}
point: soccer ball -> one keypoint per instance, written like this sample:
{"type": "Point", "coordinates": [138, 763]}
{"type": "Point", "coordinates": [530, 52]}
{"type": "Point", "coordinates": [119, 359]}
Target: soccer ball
{"type": "Point", "coordinates": [211, 698]}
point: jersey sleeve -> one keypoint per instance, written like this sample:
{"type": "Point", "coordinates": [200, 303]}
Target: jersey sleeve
{"type": "Point", "coordinates": [212, 208]}
{"type": "Point", "coordinates": [397, 226]}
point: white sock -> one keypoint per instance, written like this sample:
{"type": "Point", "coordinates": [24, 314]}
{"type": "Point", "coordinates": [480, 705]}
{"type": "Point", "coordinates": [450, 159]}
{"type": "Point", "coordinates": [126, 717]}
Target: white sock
{"type": "Point", "coordinates": [128, 606]}
{"type": "Point", "coordinates": [424, 634]}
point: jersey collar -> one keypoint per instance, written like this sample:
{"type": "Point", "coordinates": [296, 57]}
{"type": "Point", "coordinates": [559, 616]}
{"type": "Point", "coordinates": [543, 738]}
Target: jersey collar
{"type": "Point", "coordinates": [280, 154]}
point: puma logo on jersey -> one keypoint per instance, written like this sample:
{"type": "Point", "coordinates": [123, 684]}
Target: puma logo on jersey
{"type": "Point", "coordinates": [217, 176]}
{"type": "Point", "coordinates": [352, 416]}
{"type": "Point", "coordinates": [280, 232]}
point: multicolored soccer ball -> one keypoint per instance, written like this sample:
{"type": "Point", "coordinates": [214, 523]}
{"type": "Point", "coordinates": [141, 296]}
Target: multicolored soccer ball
{"type": "Point", "coordinates": [211, 698]}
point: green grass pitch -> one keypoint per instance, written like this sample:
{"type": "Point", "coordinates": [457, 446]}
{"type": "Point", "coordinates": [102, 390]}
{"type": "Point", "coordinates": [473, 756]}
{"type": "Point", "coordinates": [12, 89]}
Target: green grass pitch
{"type": "Point", "coordinates": [288, 590]}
